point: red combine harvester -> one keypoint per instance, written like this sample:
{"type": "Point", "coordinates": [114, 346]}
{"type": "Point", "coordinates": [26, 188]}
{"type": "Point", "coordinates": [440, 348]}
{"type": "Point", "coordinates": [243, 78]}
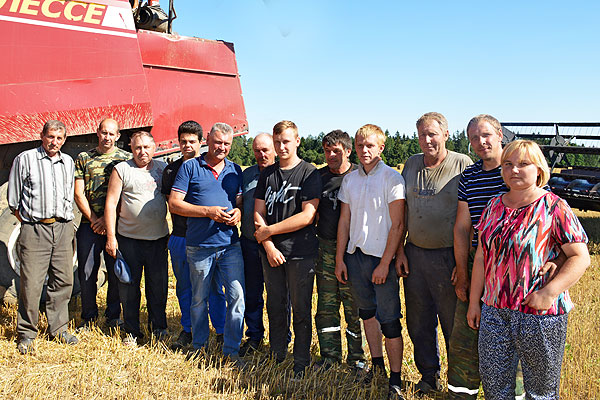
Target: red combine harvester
{"type": "Point", "coordinates": [82, 61]}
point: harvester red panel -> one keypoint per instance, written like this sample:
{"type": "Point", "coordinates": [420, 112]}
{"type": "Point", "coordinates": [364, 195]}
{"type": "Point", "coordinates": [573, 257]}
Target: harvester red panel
{"type": "Point", "coordinates": [79, 62]}
{"type": "Point", "coordinates": [74, 61]}
{"type": "Point", "coordinates": [190, 78]}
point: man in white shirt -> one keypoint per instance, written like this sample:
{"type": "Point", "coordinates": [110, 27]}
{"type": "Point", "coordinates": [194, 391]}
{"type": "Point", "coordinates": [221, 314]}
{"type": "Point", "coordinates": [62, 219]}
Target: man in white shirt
{"type": "Point", "coordinates": [369, 229]}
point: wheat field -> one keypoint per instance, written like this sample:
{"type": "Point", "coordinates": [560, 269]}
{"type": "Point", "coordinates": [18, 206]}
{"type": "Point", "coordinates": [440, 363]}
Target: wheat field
{"type": "Point", "coordinates": [100, 367]}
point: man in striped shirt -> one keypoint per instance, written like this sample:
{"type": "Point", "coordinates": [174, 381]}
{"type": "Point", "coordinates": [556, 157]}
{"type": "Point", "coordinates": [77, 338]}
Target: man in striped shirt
{"type": "Point", "coordinates": [40, 194]}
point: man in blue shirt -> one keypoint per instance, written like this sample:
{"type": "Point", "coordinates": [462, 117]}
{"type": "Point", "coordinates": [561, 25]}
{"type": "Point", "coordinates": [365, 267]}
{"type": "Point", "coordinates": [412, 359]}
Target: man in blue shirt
{"type": "Point", "coordinates": [207, 190]}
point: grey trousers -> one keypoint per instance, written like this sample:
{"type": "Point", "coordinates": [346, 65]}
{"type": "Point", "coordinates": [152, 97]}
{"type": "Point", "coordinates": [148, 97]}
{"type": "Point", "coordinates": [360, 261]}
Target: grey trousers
{"type": "Point", "coordinates": [45, 250]}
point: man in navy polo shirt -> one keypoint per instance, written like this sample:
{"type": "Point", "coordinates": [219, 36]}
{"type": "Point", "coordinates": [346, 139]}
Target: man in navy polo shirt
{"type": "Point", "coordinates": [207, 190]}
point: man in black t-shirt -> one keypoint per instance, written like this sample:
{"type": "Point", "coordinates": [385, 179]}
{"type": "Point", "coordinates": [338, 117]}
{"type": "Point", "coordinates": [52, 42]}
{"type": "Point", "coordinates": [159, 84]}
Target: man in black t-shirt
{"type": "Point", "coordinates": [337, 146]}
{"type": "Point", "coordinates": [190, 134]}
{"type": "Point", "coordinates": [286, 201]}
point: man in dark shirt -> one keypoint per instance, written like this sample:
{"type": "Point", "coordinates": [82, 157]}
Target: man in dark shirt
{"type": "Point", "coordinates": [287, 197]}
{"type": "Point", "coordinates": [337, 146]}
{"type": "Point", "coordinates": [189, 134]}
{"type": "Point", "coordinates": [264, 153]}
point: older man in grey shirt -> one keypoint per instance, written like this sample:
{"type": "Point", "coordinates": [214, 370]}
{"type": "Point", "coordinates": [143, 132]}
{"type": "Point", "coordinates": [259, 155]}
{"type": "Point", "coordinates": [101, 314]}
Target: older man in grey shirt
{"type": "Point", "coordinates": [40, 194]}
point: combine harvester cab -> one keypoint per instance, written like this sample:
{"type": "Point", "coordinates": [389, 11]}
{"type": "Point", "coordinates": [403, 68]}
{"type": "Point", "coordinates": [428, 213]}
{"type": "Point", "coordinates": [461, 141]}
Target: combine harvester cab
{"type": "Point", "coordinates": [82, 61]}
{"type": "Point", "coordinates": [573, 153]}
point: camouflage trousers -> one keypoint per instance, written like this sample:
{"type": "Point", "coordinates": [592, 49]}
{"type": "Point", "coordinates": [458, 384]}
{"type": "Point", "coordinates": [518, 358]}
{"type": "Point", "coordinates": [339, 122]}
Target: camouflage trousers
{"type": "Point", "coordinates": [463, 356]}
{"type": "Point", "coordinates": [331, 294]}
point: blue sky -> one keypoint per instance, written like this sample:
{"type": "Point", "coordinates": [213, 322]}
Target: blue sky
{"type": "Point", "coordinates": [340, 64]}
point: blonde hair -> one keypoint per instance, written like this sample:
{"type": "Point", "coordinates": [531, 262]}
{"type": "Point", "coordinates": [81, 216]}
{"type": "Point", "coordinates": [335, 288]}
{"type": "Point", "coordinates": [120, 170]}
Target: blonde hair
{"type": "Point", "coordinates": [484, 118]}
{"type": "Point", "coordinates": [283, 125]}
{"type": "Point", "coordinates": [433, 116]}
{"type": "Point", "coordinates": [369, 129]}
{"type": "Point", "coordinates": [528, 150]}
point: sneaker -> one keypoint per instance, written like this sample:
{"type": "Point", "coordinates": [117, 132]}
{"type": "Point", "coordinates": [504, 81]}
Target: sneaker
{"type": "Point", "coordinates": [426, 387]}
{"type": "Point", "coordinates": [249, 347]}
{"type": "Point", "coordinates": [298, 373]}
{"type": "Point", "coordinates": [114, 323]}
{"type": "Point", "coordinates": [65, 338]}
{"type": "Point", "coordinates": [129, 341]}
{"type": "Point", "coordinates": [85, 326]}
{"type": "Point", "coordinates": [237, 361]}
{"type": "Point", "coordinates": [160, 334]}
{"type": "Point", "coordinates": [323, 365]}
{"type": "Point", "coordinates": [184, 339]}
{"type": "Point", "coordinates": [395, 393]}
{"type": "Point", "coordinates": [373, 373]}
{"type": "Point", "coordinates": [359, 368]}
{"type": "Point", "coordinates": [25, 346]}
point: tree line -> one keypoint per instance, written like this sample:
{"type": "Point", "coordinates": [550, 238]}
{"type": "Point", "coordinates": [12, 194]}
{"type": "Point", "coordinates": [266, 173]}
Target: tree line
{"type": "Point", "coordinates": [398, 147]}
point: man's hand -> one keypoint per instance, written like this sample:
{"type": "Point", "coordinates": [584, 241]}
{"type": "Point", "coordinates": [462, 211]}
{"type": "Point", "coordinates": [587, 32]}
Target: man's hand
{"type": "Point", "coordinates": [380, 274]}
{"type": "Point", "coordinates": [18, 216]}
{"type": "Point", "coordinates": [401, 265]}
{"type": "Point", "coordinates": [218, 214]}
{"type": "Point", "coordinates": [99, 226]}
{"type": "Point", "coordinates": [262, 233]}
{"type": "Point", "coordinates": [112, 246]}
{"type": "Point", "coordinates": [461, 285]}
{"type": "Point", "coordinates": [474, 314]}
{"type": "Point", "coordinates": [274, 256]}
{"type": "Point", "coordinates": [235, 215]}
{"type": "Point", "coordinates": [540, 300]}
{"type": "Point", "coordinates": [341, 271]}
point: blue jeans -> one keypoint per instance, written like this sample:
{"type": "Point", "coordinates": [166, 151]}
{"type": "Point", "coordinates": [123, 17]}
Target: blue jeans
{"type": "Point", "coordinates": [226, 263]}
{"type": "Point", "coordinates": [183, 288]}
{"type": "Point", "coordinates": [429, 295]}
{"type": "Point", "coordinates": [89, 247]}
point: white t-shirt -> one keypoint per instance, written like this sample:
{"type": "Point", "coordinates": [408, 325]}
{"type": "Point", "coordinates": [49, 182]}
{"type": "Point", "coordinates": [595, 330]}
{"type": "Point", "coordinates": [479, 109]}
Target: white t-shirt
{"type": "Point", "coordinates": [369, 196]}
{"type": "Point", "coordinates": [143, 206]}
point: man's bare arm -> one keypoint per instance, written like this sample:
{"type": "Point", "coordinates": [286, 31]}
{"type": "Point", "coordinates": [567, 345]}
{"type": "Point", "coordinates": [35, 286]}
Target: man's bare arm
{"type": "Point", "coordinates": [274, 256]}
{"type": "Point", "coordinates": [290, 224]}
{"type": "Point", "coordinates": [396, 211]}
{"type": "Point", "coordinates": [113, 194]}
{"type": "Point", "coordinates": [343, 235]}
{"type": "Point", "coordinates": [462, 247]}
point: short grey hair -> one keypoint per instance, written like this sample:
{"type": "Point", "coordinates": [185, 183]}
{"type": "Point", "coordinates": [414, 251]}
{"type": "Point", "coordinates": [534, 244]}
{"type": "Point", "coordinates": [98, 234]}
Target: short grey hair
{"type": "Point", "coordinates": [54, 125]}
{"type": "Point", "coordinates": [141, 134]}
{"type": "Point", "coordinates": [221, 127]}
{"type": "Point", "coordinates": [433, 116]}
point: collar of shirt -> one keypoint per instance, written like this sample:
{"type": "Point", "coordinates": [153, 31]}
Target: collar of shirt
{"type": "Point", "coordinates": [362, 172]}
{"type": "Point", "coordinates": [41, 153]}
{"type": "Point", "coordinates": [204, 164]}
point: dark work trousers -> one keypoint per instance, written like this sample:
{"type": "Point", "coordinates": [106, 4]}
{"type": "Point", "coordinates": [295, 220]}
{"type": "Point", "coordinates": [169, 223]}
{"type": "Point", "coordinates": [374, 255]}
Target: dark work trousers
{"type": "Point", "coordinates": [89, 246]}
{"type": "Point", "coordinates": [253, 272]}
{"type": "Point", "coordinates": [45, 250]}
{"type": "Point", "coordinates": [429, 294]}
{"type": "Point", "coordinates": [149, 256]}
{"type": "Point", "coordinates": [294, 278]}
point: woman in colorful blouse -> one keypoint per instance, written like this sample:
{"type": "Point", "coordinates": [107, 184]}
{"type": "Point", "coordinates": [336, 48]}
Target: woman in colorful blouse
{"type": "Point", "coordinates": [524, 314]}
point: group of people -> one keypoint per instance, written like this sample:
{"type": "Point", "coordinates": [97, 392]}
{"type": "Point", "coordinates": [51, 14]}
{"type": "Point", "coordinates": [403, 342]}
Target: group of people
{"type": "Point", "coordinates": [484, 248]}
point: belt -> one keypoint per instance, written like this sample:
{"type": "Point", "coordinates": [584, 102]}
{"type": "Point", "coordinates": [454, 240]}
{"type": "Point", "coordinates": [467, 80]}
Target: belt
{"type": "Point", "coordinates": [52, 220]}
